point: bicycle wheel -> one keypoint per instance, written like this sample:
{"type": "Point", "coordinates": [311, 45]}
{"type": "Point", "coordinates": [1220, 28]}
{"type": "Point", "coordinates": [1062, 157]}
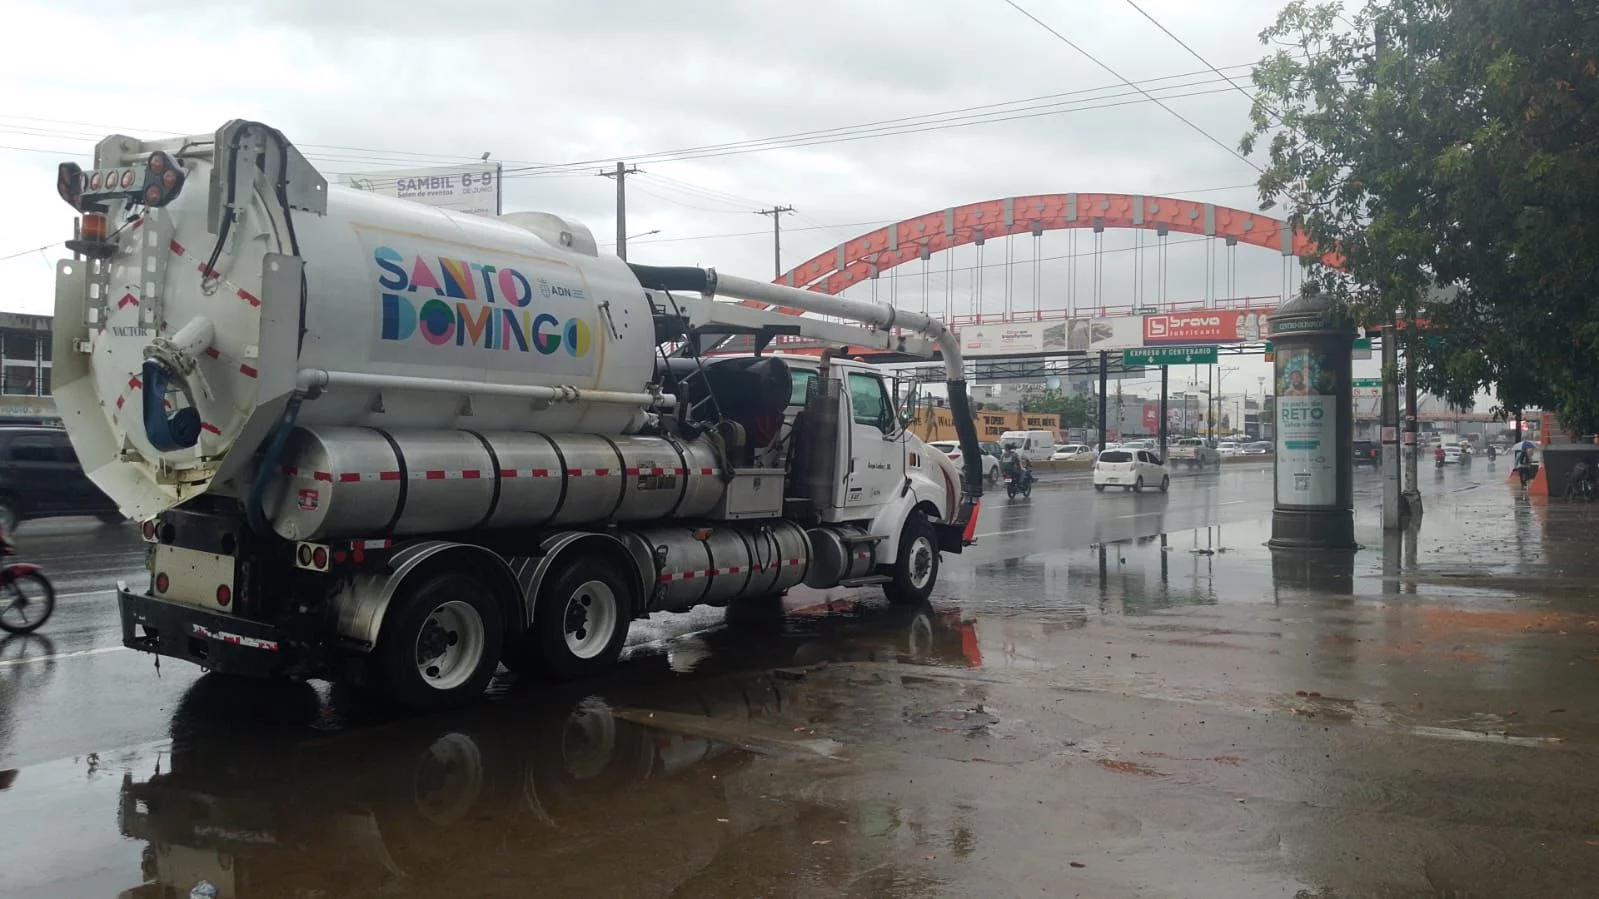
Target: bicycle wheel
{"type": "Point", "coordinates": [26, 604]}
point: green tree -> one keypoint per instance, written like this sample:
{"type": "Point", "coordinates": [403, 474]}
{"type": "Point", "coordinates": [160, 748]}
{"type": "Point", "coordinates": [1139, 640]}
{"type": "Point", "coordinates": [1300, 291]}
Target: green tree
{"type": "Point", "coordinates": [1449, 150]}
{"type": "Point", "coordinates": [1075, 411]}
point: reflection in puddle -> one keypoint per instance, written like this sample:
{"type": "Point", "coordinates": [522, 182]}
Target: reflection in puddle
{"type": "Point", "coordinates": [649, 785]}
{"type": "Point", "coordinates": [1186, 702]}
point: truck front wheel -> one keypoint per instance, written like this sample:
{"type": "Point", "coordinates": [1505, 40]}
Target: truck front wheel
{"type": "Point", "coordinates": [915, 569]}
{"type": "Point", "coordinates": [440, 642]}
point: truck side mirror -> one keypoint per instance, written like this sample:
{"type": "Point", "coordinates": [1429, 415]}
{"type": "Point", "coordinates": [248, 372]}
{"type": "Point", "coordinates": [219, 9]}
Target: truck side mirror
{"type": "Point", "coordinates": [907, 412]}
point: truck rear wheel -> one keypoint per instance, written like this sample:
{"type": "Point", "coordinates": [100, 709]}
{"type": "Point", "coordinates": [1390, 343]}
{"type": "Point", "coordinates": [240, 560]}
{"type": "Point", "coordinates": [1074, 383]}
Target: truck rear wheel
{"type": "Point", "coordinates": [915, 569]}
{"type": "Point", "coordinates": [581, 619]}
{"type": "Point", "coordinates": [440, 642]}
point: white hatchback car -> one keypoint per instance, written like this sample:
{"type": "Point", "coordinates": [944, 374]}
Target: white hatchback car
{"type": "Point", "coordinates": [1130, 469]}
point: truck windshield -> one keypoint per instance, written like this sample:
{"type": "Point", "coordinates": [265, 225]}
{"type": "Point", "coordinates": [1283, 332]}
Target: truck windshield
{"type": "Point", "coordinates": [1012, 442]}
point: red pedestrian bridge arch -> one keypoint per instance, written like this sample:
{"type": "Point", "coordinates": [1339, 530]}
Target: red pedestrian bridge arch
{"type": "Point", "coordinates": [864, 257]}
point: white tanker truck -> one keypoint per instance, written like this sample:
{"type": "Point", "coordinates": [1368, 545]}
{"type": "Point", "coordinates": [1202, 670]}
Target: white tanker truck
{"type": "Point", "coordinates": [373, 441]}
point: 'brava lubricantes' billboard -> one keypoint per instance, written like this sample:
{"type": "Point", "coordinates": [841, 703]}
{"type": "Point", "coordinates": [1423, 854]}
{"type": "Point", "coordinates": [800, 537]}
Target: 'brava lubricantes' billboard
{"type": "Point", "coordinates": [1205, 326]}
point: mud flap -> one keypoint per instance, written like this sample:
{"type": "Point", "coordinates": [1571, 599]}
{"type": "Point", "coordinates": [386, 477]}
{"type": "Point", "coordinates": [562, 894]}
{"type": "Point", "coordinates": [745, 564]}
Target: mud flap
{"type": "Point", "coordinates": [951, 537]}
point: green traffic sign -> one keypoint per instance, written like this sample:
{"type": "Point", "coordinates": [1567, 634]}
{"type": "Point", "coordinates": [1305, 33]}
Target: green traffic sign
{"type": "Point", "coordinates": [1366, 382]}
{"type": "Point", "coordinates": [1170, 355]}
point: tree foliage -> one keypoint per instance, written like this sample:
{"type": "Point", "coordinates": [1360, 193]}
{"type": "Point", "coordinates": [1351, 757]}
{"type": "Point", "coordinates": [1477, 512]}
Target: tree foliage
{"type": "Point", "coordinates": [1075, 411]}
{"type": "Point", "coordinates": [1449, 150]}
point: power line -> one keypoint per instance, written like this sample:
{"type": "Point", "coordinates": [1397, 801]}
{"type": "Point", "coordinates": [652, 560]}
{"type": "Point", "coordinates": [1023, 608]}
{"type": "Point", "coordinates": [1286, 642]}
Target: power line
{"type": "Point", "coordinates": [993, 113]}
{"type": "Point", "coordinates": [417, 156]}
{"type": "Point", "coordinates": [1192, 52]}
{"type": "Point", "coordinates": [1095, 60]}
{"type": "Point", "coordinates": [1114, 101]}
{"type": "Point", "coordinates": [518, 173]}
{"type": "Point", "coordinates": [878, 223]}
{"type": "Point", "coordinates": [731, 234]}
{"type": "Point", "coordinates": [21, 253]}
{"type": "Point", "coordinates": [659, 196]}
{"type": "Point", "coordinates": [731, 199]}
{"type": "Point", "coordinates": [871, 131]}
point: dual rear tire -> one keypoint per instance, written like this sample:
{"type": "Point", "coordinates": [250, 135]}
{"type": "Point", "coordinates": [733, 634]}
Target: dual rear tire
{"type": "Point", "coordinates": [444, 634]}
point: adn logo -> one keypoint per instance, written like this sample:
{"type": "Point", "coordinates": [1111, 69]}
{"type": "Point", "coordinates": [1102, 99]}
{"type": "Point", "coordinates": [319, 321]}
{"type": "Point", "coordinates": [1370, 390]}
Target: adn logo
{"type": "Point", "coordinates": [547, 290]}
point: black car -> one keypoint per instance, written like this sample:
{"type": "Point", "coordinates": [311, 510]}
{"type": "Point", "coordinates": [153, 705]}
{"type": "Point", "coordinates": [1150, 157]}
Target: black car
{"type": "Point", "coordinates": [1367, 452]}
{"type": "Point", "coordinates": [40, 478]}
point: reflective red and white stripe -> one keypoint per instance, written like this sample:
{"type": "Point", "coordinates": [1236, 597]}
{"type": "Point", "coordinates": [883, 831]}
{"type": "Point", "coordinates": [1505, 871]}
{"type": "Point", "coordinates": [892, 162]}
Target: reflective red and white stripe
{"type": "Point", "coordinates": [469, 474]}
{"type": "Point", "coordinates": [350, 477]}
{"type": "Point", "coordinates": [446, 474]}
{"type": "Point", "coordinates": [668, 577]}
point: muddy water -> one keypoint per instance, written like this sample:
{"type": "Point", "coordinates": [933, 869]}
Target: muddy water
{"type": "Point", "coordinates": [1181, 715]}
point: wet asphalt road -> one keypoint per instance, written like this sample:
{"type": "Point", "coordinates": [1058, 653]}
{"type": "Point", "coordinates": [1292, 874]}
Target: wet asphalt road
{"type": "Point", "coordinates": [1112, 695]}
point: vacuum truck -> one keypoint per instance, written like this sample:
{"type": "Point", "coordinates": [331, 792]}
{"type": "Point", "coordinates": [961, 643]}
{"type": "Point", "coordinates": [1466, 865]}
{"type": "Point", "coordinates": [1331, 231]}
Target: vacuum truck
{"type": "Point", "coordinates": [377, 442]}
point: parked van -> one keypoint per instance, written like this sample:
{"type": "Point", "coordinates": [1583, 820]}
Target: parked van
{"type": "Point", "coordinates": [1035, 446]}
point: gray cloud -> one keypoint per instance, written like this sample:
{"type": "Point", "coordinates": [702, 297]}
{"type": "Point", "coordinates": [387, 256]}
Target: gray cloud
{"type": "Point", "coordinates": [365, 85]}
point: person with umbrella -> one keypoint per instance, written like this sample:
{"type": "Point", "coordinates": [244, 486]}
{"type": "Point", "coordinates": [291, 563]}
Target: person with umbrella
{"type": "Point", "coordinates": [1524, 466]}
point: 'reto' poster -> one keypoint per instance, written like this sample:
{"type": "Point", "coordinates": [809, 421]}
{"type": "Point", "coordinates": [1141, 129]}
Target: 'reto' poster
{"type": "Point", "coordinates": [1306, 457]}
{"type": "Point", "coordinates": [1307, 424]}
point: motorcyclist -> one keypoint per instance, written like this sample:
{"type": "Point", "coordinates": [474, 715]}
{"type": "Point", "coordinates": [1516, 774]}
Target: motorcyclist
{"type": "Point", "coordinates": [1015, 466]}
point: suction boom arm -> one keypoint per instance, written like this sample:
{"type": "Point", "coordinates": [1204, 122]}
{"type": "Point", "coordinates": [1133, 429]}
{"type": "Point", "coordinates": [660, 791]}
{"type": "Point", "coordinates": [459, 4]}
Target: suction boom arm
{"type": "Point", "coordinates": [707, 281]}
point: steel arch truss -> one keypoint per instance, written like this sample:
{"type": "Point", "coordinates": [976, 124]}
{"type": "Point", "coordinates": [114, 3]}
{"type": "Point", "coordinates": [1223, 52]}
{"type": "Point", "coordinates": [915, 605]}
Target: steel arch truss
{"type": "Point", "coordinates": [868, 255]}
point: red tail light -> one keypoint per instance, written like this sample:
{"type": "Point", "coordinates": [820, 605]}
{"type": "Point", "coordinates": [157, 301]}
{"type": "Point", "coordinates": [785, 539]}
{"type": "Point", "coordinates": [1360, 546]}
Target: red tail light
{"type": "Point", "coordinates": [162, 582]}
{"type": "Point", "coordinates": [70, 183]}
{"type": "Point", "coordinates": [224, 595]}
{"type": "Point", "coordinates": [163, 179]}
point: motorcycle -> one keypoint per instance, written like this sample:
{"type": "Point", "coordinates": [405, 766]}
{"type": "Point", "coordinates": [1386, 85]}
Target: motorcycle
{"type": "Point", "coordinates": [1580, 483]}
{"type": "Point", "coordinates": [27, 598]}
{"type": "Point", "coordinates": [1024, 487]}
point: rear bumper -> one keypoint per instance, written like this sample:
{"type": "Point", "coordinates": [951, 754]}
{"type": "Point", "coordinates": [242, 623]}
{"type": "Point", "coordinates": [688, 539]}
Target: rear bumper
{"type": "Point", "coordinates": [220, 643]}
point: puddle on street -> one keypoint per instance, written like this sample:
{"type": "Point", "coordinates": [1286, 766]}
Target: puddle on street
{"type": "Point", "coordinates": [1177, 714]}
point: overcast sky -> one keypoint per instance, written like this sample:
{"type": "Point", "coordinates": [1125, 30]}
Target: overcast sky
{"type": "Point", "coordinates": [361, 85]}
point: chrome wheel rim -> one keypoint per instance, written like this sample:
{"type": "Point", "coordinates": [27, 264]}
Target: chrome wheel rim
{"type": "Point", "coordinates": [450, 645]}
{"type": "Point", "coordinates": [920, 563]}
{"type": "Point", "coordinates": [590, 619]}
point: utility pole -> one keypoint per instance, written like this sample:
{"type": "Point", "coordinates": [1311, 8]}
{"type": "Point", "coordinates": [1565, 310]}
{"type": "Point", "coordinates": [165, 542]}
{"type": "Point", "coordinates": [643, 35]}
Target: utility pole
{"type": "Point", "coordinates": [1412, 445]}
{"type": "Point", "coordinates": [1393, 510]}
{"type": "Point", "coordinates": [776, 212]}
{"type": "Point", "coordinates": [620, 173]}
